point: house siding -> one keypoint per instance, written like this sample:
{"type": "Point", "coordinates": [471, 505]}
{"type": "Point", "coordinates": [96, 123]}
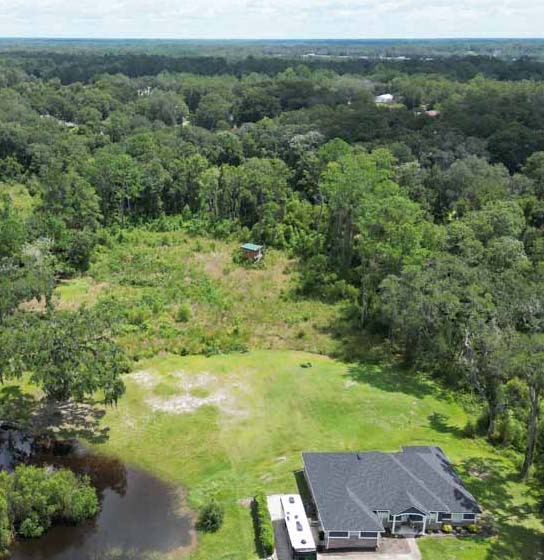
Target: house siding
{"type": "Point", "coordinates": [432, 524]}
{"type": "Point", "coordinates": [332, 543]}
{"type": "Point", "coordinates": [455, 522]}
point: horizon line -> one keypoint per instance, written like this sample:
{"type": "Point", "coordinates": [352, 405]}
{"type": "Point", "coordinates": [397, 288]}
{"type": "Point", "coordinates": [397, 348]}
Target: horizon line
{"type": "Point", "coordinates": [136, 38]}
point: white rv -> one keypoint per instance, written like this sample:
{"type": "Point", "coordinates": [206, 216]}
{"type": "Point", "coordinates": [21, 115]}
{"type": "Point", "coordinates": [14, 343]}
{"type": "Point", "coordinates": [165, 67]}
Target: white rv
{"type": "Point", "coordinates": [300, 535]}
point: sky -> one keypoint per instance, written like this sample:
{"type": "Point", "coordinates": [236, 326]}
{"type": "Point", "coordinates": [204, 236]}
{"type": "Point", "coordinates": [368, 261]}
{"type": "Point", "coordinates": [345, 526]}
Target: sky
{"type": "Point", "coordinates": [267, 19]}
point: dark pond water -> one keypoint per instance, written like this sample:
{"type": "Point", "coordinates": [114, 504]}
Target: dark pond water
{"type": "Point", "coordinates": [139, 514]}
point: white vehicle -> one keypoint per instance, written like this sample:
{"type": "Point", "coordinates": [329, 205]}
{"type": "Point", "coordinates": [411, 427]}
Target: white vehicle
{"type": "Point", "coordinates": [298, 528]}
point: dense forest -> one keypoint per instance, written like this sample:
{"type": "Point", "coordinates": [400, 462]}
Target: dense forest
{"type": "Point", "coordinates": [425, 216]}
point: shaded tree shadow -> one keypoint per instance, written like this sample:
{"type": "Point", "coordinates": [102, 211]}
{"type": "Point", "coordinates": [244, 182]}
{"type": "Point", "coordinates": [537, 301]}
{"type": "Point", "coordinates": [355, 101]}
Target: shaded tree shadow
{"type": "Point", "coordinates": [16, 406]}
{"type": "Point", "coordinates": [488, 480]}
{"type": "Point", "coordinates": [517, 543]}
{"type": "Point", "coordinates": [352, 342]}
{"type": "Point", "coordinates": [68, 420]}
{"type": "Point", "coordinates": [105, 472]}
{"type": "Point", "coordinates": [304, 492]}
{"type": "Point", "coordinates": [71, 420]}
{"type": "Point", "coordinates": [395, 379]}
{"type": "Point", "coordinates": [438, 422]}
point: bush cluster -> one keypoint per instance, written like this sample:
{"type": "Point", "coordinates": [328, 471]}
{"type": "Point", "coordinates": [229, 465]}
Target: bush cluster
{"type": "Point", "coordinates": [184, 313]}
{"type": "Point", "coordinates": [211, 516]}
{"type": "Point", "coordinates": [509, 431]}
{"type": "Point", "coordinates": [265, 528]}
{"type": "Point", "coordinates": [32, 499]}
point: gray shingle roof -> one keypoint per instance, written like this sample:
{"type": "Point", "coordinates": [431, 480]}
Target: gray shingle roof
{"type": "Point", "coordinates": [349, 487]}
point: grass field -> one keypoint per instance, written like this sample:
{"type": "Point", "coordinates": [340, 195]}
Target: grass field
{"type": "Point", "coordinates": [250, 416]}
{"type": "Point", "coordinates": [231, 423]}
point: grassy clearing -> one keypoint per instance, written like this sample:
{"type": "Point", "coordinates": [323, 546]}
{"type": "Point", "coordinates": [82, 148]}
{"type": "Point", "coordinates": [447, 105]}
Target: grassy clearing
{"type": "Point", "coordinates": [145, 278]}
{"type": "Point", "coordinates": [271, 409]}
{"type": "Point", "coordinates": [230, 424]}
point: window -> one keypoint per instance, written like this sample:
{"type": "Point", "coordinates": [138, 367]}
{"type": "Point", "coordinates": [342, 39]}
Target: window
{"type": "Point", "coordinates": [457, 517]}
{"type": "Point", "coordinates": [338, 534]}
{"type": "Point", "coordinates": [469, 516]}
{"type": "Point", "coordinates": [444, 516]}
{"type": "Point", "coordinates": [368, 535]}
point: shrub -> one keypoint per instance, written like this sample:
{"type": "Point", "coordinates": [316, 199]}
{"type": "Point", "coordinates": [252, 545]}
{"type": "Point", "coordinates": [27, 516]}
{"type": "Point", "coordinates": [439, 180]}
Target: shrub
{"type": "Point", "coordinates": [137, 315]}
{"type": "Point", "coordinates": [482, 422]}
{"type": "Point", "coordinates": [31, 528]}
{"type": "Point", "coordinates": [79, 250]}
{"type": "Point", "coordinates": [76, 497]}
{"type": "Point", "coordinates": [470, 429]}
{"type": "Point", "coordinates": [210, 518]}
{"type": "Point", "coordinates": [511, 432]}
{"type": "Point", "coordinates": [5, 526]}
{"type": "Point", "coordinates": [37, 498]}
{"type": "Point", "coordinates": [447, 528]}
{"type": "Point", "coordinates": [264, 524]}
{"type": "Point", "coordinates": [184, 313]}
{"type": "Point", "coordinates": [473, 528]}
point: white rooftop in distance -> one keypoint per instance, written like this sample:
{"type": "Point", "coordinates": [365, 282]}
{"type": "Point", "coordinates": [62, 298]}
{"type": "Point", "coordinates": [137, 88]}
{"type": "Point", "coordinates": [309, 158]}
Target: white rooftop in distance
{"type": "Point", "coordinates": [297, 523]}
{"type": "Point", "coordinates": [384, 98]}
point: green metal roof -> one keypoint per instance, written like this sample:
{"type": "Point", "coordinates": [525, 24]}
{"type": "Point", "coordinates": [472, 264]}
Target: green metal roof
{"type": "Point", "coordinates": [251, 247]}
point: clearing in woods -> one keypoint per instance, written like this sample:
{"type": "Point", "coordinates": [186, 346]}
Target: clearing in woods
{"type": "Point", "coordinates": [231, 423]}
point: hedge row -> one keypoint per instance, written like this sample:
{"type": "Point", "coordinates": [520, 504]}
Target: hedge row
{"type": "Point", "coordinates": [265, 528]}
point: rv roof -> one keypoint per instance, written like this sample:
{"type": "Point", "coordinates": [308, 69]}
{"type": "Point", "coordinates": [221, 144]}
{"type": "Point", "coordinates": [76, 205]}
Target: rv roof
{"type": "Point", "coordinates": [297, 523]}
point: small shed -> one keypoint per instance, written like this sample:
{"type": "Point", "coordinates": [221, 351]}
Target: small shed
{"type": "Point", "coordinates": [252, 252]}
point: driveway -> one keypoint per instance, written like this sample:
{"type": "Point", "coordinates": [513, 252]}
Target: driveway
{"type": "Point", "coordinates": [283, 550]}
{"type": "Point", "coordinates": [390, 549]}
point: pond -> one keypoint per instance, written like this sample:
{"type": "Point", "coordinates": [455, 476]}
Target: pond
{"type": "Point", "coordinates": [139, 514]}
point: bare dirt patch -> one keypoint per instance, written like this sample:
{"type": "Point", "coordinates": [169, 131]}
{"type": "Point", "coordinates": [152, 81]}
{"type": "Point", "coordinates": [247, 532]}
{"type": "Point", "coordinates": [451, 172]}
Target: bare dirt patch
{"type": "Point", "coordinates": [195, 391]}
{"type": "Point", "coordinates": [184, 403]}
{"type": "Point", "coordinates": [145, 378]}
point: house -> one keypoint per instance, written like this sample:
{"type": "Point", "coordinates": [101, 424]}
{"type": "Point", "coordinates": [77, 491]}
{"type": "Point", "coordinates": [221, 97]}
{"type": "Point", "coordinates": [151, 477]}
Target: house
{"type": "Point", "coordinates": [384, 98]}
{"type": "Point", "coordinates": [301, 540]}
{"type": "Point", "coordinates": [252, 252]}
{"type": "Point", "coordinates": [360, 496]}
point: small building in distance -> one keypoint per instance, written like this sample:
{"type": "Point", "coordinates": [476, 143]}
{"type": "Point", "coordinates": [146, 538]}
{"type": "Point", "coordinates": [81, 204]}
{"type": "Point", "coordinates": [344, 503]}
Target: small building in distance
{"type": "Point", "coordinates": [384, 98]}
{"type": "Point", "coordinates": [433, 113]}
{"type": "Point", "coordinates": [252, 252]}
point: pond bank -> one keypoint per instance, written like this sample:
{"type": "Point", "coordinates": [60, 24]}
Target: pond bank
{"type": "Point", "coordinates": [139, 514]}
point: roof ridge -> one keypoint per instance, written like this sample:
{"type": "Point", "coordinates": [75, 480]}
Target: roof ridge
{"type": "Point", "coordinates": [363, 506]}
{"type": "Point", "coordinates": [457, 482]}
{"type": "Point", "coordinates": [417, 480]}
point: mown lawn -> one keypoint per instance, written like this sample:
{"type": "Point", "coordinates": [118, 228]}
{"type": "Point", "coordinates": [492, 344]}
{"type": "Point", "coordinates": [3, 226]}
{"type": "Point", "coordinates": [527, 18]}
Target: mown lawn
{"type": "Point", "coordinates": [265, 409]}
